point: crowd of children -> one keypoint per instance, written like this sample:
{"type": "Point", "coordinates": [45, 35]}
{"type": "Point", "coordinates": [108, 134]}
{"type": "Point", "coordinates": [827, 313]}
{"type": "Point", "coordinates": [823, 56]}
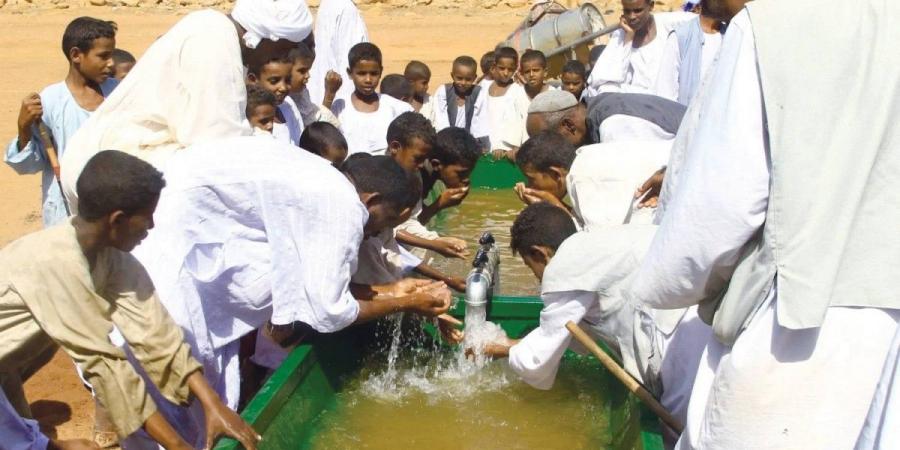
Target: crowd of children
{"type": "Point", "coordinates": [165, 246]}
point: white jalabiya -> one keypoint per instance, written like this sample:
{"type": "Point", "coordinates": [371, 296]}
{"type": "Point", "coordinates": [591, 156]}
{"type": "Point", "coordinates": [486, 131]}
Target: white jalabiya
{"type": "Point", "coordinates": [272, 20]}
{"type": "Point", "coordinates": [339, 26]}
{"type": "Point", "coordinates": [310, 112]}
{"type": "Point", "coordinates": [623, 68]}
{"type": "Point", "coordinates": [882, 427]}
{"type": "Point", "coordinates": [776, 388]}
{"type": "Point", "coordinates": [667, 81]}
{"type": "Point", "coordinates": [367, 131]}
{"type": "Point", "coordinates": [241, 241]}
{"type": "Point", "coordinates": [603, 177]}
{"type": "Point", "coordinates": [622, 127]}
{"type": "Point", "coordinates": [188, 88]}
{"type": "Point", "coordinates": [289, 131]}
{"type": "Point", "coordinates": [507, 114]}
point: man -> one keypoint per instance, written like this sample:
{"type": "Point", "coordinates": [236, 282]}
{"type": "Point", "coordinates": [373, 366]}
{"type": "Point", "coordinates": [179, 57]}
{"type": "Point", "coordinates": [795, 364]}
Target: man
{"type": "Point", "coordinates": [630, 62]}
{"type": "Point", "coordinates": [792, 264]}
{"type": "Point", "coordinates": [690, 51]}
{"type": "Point", "coordinates": [188, 87]}
{"type": "Point", "coordinates": [271, 242]}
{"type": "Point", "coordinates": [609, 117]}
{"type": "Point", "coordinates": [339, 26]}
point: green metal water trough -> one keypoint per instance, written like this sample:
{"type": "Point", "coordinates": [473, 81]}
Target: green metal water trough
{"type": "Point", "coordinates": [286, 410]}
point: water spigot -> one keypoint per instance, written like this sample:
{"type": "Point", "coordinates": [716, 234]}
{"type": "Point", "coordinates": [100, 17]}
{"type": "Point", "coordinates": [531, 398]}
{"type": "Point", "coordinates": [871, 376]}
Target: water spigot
{"type": "Point", "coordinates": [487, 239]}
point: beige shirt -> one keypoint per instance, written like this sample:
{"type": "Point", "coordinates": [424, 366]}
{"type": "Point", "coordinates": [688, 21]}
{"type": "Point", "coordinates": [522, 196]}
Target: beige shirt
{"type": "Point", "coordinates": [49, 296]}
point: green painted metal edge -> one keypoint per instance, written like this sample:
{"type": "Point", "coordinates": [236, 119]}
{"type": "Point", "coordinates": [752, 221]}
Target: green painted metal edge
{"type": "Point", "coordinates": [495, 174]}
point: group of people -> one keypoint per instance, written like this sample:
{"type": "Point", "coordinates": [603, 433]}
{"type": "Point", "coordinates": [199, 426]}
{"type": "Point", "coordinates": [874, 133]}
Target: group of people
{"type": "Point", "coordinates": [693, 198]}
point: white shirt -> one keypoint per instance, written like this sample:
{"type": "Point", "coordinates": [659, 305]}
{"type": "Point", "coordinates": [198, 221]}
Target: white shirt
{"type": "Point", "coordinates": [367, 131]}
{"type": "Point", "coordinates": [623, 68]}
{"type": "Point", "coordinates": [249, 230]}
{"type": "Point", "coordinates": [187, 88]}
{"type": "Point", "coordinates": [480, 118]}
{"type": "Point", "coordinates": [603, 177]}
{"type": "Point", "coordinates": [622, 127]}
{"type": "Point", "coordinates": [339, 26]}
{"type": "Point", "coordinates": [667, 82]}
{"type": "Point", "coordinates": [288, 132]}
{"type": "Point", "coordinates": [507, 114]}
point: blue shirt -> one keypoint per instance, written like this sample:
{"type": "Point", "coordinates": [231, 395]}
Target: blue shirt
{"type": "Point", "coordinates": [63, 116]}
{"type": "Point", "coordinates": [19, 433]}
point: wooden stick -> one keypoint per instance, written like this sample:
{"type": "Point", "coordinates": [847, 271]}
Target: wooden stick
{"type": "Point", "coordinates": [53, 159]}
{"type": "Point", "coordinates": [630, 383]}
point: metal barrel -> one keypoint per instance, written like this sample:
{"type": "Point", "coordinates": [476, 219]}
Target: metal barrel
{"type": "Point", "coordinates": [554, 31]}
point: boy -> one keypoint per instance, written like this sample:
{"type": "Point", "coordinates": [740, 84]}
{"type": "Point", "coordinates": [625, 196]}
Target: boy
{"type": "Point", "coordinates": [261, 109]}
{"type": "Point", "coordinates": [573, 78]}
{"type": "Point", "coordinates": [533, 69]}
{"type": "Point", "coordinates": [599, 178]}
{"type": "Point", "coordinates": [507, 106]}
{"type": "Point", "coordinates": [271, 242]}
{"type": "Point", "coordinates": [69, 285]}
{"type": "Point", "coordinates": [325, 140]}
{"type": "Point", "coordinates": [366, 114]}
{"type": "Point", "coordinates": [399, 87]}
{"type": "Point", "coordinates": [461, 103]}
{"type": "Point", "coordinates": [583, 279]}
{"type": "Point", "coordinates": [419, 75]}
{"type": "Point", "coordinates": [88, 45]}
{"type": "Point", "coordinates": [123, 62]}
{"type": "Point", "coordinates": [303, 58]}
{"type": "Point", "coordinates": [275, 76]}
{"type": "Point", "coordinates": [451, 161]}
{"type": "Point", "coordinates": [487, 69]}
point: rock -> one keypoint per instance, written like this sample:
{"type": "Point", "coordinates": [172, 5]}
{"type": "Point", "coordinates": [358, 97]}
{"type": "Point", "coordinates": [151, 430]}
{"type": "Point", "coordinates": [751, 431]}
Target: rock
{"type": "Point", "coordinates": [98, 2]}
{"type": "Point", "coordinates": [129, 3]}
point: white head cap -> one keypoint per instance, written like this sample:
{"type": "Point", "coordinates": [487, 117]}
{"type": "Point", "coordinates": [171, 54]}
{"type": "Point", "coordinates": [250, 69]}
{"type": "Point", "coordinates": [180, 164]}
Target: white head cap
{"type": "Point", "coordinates": [552, 101]}
{"type": "Point", "coordinates": [273, 20]}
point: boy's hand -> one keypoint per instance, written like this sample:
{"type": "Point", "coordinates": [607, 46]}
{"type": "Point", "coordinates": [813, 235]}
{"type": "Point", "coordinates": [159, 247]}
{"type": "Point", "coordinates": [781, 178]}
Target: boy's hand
{"type": "Point", "coordinates": [452, 197]}
{"type": "Point", "coordinates": [649, 191]}
{"type": "Point", "coordinates": [497, 349]}
{"type": "Point", "coordinates": [530, 196]}
{"type": "Point", "coordinates": [449, 328]}
{"type": "Point", "coordinates": [29, 113]}
{"type": "Point", "coordinates": [408, 286]}
{"type": "Point", "coordinates": [457, 284]}
{"type": "Point", "coordinates": [451, 247]}
{"type": "Point", "coordinates": [333, 81]}
{"type": "Point", "coordinates": [221, 420]}
{"type": "Point", "coordinates": [629, 32]}
{"type": "Point", "coordinates": [432, 300]}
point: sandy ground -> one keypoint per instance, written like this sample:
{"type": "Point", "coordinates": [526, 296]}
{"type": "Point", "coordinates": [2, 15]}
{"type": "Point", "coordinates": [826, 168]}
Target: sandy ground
{"type": "Point", "coordinates": [33, 59]}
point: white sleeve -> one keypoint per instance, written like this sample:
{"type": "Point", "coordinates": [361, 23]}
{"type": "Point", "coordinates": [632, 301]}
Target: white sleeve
{"type": "Point", "coordinates": [724, 187]}
{"type": "Point", "coordinates": [611, 68]}
{"type": "Point", "coordinates": [537, 356]}
{"type": "Point", "coordinates": [669, 65]}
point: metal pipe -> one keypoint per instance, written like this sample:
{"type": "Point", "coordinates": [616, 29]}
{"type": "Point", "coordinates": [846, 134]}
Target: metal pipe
{"type": "Point", "coordinates": [583, 40]}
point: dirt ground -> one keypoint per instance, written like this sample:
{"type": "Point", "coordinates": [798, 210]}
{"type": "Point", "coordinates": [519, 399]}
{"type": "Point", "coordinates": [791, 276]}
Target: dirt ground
{"type": "Point", "coordinates": [33, 60]}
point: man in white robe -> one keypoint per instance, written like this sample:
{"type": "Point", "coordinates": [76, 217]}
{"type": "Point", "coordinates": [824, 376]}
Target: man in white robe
{"type": "Point", "coordinates": [690, 51]}
{"type": "Point", "coordinates": [802, 331]}
{"type": "Point", "coordinates": [631, 60]}
{"type": "Point", "coordinates": [339, 26]}
{"type": "Point", "coordinates": [189, 86]}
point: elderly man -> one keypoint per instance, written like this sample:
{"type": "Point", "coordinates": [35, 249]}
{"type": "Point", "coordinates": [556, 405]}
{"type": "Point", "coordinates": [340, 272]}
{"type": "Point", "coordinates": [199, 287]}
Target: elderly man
{"type": "Point", "coordinates": [189, 86]}
{"type": "Point", "coordinates": [609, 117]}
{"type": "Point", "coordinates": [630, 62]}
{"type": "Point", "coordinates": [794, 263]}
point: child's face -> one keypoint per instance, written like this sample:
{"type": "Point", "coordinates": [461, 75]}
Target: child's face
{"type": "Point", "coordinates": [365, 75]}
{"type": "Point", "coordinates": [96, 64]}
{"type": "Point", "coordinates": [533, 72]}
{"type": "Point", "coordinates": [572, 82]}
{"type": "Point", "coordinates": [262, 117]}
{"type": "Point", "coordinates": [454, 175]}
{"type": "Point", "coordinates": [336, 155]}
{"type": "Point", "coordinates": [550, 181]}
{"type": "Point", "coordinates": [120, 70]}
{"type": "Point", "coordinates": [381, 216]}
{"type": "Point", "coordinates": [275, 77]}
{"type": "Point", "coordinates": [127, 231]}
{"type": "Point", "coordinates": [463, 79]}
{"type": "Point", "coordinates": [411, 157]}
{"type": "Point", "coordinates": [300, 74]}
{"type": "Point", "coordinates": [420, 87]}
{"type": "Point", "coordinates": [504, 70]}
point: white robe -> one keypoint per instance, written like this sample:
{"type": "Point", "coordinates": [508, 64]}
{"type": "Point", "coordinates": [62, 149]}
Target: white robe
{"type": "Point", "coordinates": [622, 127]}
{"type": "Point", "coordinates": [507, 114]}
{"type": "Point", "coordinates": [187, 88]}
{"type": "Point", "coordinates": [289, 131]}
{"type": "Point", "coordinates": [623, 68]}
{"type": "Point", "coordinates": [241, 241]}
{"type": "Point", "coordinates": [882, 427]}
{"type": "Point", "coordinates": [603, 177]}
{"type": "Point", "coordinates": [775, 388]}
{"type": "Point", "coordinates": [437, 110]}
{"type": "Point", "coordinates": [339, 26]}
{"type": "Point", "coordinates": [667, 81]}
{"type": "Point", "coordinates": [367, 131]}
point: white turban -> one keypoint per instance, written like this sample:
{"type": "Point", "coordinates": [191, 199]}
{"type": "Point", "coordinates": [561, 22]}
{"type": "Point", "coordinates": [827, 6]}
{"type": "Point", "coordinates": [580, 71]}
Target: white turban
{"type": "Point", "coordinates": [273, 20]}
